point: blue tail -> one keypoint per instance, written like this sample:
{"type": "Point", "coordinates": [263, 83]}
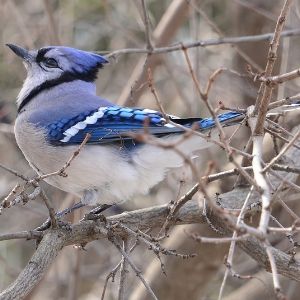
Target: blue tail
{"type": "Point", "coordinates": [226, 119]}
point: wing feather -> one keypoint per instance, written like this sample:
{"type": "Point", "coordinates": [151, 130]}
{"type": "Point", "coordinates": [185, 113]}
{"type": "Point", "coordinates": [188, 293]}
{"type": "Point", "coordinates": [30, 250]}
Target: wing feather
{"type": "Point", "coordinates": [111, 124]}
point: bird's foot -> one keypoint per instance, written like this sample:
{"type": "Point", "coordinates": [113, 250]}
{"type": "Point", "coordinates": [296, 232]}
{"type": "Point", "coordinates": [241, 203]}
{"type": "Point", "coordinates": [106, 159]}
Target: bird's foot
{"type": "Point", "coordinates": [62, 224]}
{"type": "Point", "coordinates": [96, 213]}
{"type": "Point", "coordinates": [46, 225]}
{"type": "Point", "coordinates": [70, 209]}
{"type": "Point", "coordinates": [59, 223]}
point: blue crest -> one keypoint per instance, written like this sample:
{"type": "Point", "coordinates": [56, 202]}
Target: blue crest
{"type": "Point", "coordinates": [82, 60]}
{"type": "Point", "coordinates": [83, 64]}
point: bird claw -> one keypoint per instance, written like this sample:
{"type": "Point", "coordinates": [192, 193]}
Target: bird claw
{"type": "Point", "coordinates": [64, 225]}
{"type": "Point", "coordinates": [95, 214]}
{"type": "Point", "coordinates": [46, 225]}
{"type": "Point", "coordinates": [60, 224]}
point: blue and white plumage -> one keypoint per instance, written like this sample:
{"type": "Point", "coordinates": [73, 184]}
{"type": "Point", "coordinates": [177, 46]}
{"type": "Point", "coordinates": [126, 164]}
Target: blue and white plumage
{"type": "Point", "coordinates": [58, 106]}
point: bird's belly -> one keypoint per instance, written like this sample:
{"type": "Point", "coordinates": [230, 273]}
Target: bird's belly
{"type": "Point", "coordinates": [111, 174]}
{"type": "Point", "coordinates": [101, 168]}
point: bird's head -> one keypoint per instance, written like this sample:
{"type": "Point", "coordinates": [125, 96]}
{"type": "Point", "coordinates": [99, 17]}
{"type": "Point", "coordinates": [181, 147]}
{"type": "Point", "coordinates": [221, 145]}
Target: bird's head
{"type": "Point", "coordinates": [53, 65]}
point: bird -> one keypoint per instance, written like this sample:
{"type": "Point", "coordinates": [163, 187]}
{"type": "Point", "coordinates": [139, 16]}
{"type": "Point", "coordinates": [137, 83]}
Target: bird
{"type": "Point", "coordinates": [58, 107]}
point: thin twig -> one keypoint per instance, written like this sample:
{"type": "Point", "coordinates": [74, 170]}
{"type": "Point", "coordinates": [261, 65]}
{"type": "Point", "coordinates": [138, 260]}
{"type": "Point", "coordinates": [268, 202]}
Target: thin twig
{"type": "Point", "coordinates": [123, 272]}
{"type": "Point", "coordinates": [280, 128]}
{"type": "Point", "coordinates": [229, 260]}
{"type": "Point", "coordinates": [203, 43]}
{"type": "Point", "coordinates": [265, 90]}
{"type": "Point", "coordinates": [282, 152]}
{"type": "Point", "coordinates": [147, 26]}
{"type": "Point", "coordinates": [134, 268]}
{"type": "Point", "coordinates": [61, 171]}
{"type": "Point", "coordinates": [215, 27]}
{"type": "Point", "coordinates": [224, 141]}
{"type": "Point", "coordinates": [276, 135]}
{"type": "Point", "coordinates": [287, 100]}
{"type": "Point", "coordinates": [278, 79]}
{"type": "Point", "coordinates": [17, 174]}
{"type": "Point", "coordinates": [35, 183]}
{"type": "Point", "coordinates": [51, 210]}
{"type": "Point", "coordinates": [114, 271]}
{"type": "Point", "coordinates": [275, 277]}
{"type": "Point", "coordinates": [261, 181]}
{"type": "Point", "coordinates": [202, 239]}
{"type": "Point", "coordinates": [28, 235]}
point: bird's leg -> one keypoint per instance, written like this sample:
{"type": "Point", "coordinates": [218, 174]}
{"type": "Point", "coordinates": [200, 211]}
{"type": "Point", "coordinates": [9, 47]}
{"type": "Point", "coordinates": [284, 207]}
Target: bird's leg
{"type": "Point", "coordinates": [87, 197]}
{"type": "Point", "coordinates": [96, 212]}
{"type": "Point", "coordinates": [91, 215]}
{"type": "Point", "coordinates": [91, 196]}
{"type": "Point", "coordinates": [60, 214]}
{"type": "Point", "coordinates": [70, 209]}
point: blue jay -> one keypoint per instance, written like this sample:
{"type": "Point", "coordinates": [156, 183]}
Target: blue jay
{"type": "Point", "coordinates": [58, 106]}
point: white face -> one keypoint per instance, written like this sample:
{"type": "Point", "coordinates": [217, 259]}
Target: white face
{"type": "Point", "coordinates": [50, 67]}
{"type": "Point", "coordinates": [53, 65]}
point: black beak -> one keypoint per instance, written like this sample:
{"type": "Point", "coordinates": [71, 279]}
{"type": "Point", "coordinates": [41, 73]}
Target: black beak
{"type": "Point", "coordinates": [21, 52]}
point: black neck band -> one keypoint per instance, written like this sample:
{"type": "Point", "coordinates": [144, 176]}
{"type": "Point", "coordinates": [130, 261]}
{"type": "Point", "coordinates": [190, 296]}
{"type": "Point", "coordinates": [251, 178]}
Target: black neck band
{"type": "Point", "coordinates": [88, 76]}
{"type": "Point", "coordinates": [45, 86]}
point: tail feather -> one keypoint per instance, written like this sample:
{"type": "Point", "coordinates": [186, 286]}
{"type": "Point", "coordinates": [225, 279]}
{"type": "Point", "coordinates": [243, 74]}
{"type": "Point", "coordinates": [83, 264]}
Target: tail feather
{"type": "Point", "coordinates": [226, 119]}
{"type": "Point", "coordinates": [234, 118]}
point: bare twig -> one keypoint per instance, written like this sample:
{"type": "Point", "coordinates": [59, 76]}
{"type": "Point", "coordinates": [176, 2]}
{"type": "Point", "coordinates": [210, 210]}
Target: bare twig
{"type": "Point", "coordinates": [114, 271]}
{"type": "Point", "coordinates": [203, 43]}
{"type": "Point", "coordinates": [50, 208]}
{"type": "Point", "coordinates": [282, 152]}
{"type": "Point", "coordinates": [153, 217]}
{"type": "Point", "coordinates": [134, 268]}
{"type": "Point", "coordinates": [218, 240]}
{"type": "Point", "coordinates": [123, 271]}
{"type": "Point", "coordinates": [265, 90]}
{"type": "Point", "coordinates": [168, 25]}
{"type": "Point", "coordinates": [35, 183]}
{"type": "Point", "coordinates": [215, 27]}
{"type": "Point", "coordinates": [52, 24]}
{"type": "Point", "coordinates": [17, 174]}
{"type": "Point", "coordinates": [276, 135]}
{"type": "Point", "coordinates": [229, 259]}
{"type": "Point", "coordinates": [287, 100]}
{"type": "Point", "coordinates": [275, 277]}
{"type": "Point", "coordinates": [7, 128]}
{"type": "Point", "coordinates": [28, 235]}
{"type": "Point", "coordinates": [61, 172]}
{"type": "Point", "coordinates": [204, 97]}
{"type": "Point", "coordinates": [147, 25]}
{"type": "Point", "coordinates": [261, 181]}
{"type": "Point", "coordinates": [273, 80]}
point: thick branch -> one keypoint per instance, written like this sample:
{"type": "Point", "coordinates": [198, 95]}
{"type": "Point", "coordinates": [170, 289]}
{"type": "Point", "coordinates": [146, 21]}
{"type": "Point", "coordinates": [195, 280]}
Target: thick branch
{"type": "Point", "coordinates": [48, 249]}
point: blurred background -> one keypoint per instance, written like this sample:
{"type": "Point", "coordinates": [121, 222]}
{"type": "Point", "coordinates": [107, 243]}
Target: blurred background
{"type": "Point", "coordinates": [109, 25]}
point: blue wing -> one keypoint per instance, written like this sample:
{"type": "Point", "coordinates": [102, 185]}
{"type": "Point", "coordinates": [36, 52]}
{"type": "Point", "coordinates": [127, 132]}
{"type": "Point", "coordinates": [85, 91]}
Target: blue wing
{"type": "Point", "coordinates": [111, 124]}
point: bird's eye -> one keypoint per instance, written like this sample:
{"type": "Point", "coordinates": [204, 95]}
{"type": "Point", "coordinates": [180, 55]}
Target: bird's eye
{"type": "Point", "coordinates": [50, 63]}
